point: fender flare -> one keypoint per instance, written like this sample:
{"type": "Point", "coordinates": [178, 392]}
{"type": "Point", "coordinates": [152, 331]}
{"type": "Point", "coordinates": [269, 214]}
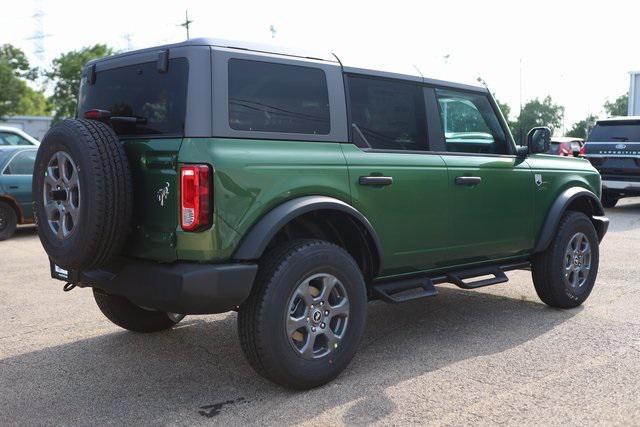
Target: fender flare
{"type": "Point", "coordinates": [261, 233]}
{"type": "Point", "coordinates": [558, 208]}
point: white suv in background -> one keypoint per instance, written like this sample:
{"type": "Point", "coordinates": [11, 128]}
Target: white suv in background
{"type": "Point", "coordinates": [15, 136]}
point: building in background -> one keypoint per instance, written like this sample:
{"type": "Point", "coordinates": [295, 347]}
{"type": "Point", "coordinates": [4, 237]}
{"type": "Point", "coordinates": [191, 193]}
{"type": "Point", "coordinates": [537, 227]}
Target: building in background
{"type": "Point", "coordinates": [36, 126]}
{"type": "Point", "coordinates": [634, 94]}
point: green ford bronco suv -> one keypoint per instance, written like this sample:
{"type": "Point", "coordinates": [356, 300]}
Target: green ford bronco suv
{"type": "Point", "coordinates": [210, 176]}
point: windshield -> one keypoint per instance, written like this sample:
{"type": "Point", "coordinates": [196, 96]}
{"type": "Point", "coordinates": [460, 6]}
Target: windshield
{"type": "Point", "coordinates": [141, 91]}
{"type": "Point", "coordinates": [616, 132]}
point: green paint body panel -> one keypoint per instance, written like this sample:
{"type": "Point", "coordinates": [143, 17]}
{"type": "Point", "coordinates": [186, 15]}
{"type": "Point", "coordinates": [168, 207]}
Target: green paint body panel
{"type": "Point", "coordinates": [252, 177]}
{"type": "Point", "coordinates": [425, 222]}
{"type": "Point", "coordinates": [153, 167]}
{"type": "Point", "coordinates": [408, 214]}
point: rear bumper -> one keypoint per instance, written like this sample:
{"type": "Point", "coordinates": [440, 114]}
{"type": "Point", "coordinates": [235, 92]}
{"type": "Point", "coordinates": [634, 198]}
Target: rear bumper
{"type": "Point", "coordinates": [629, 186]}
{"type": "Point", "coordinates": [185, 288]}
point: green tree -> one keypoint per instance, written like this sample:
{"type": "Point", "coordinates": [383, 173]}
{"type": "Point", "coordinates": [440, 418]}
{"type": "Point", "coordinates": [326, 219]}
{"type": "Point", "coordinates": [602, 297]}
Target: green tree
{"type": "Point", "coordinates": [582, 128]}
{"type": "Point", "coordinates": [66, 74]}
{"type": "Point", "coordinates": [504, 107]}
{"type": "Point", "coordinates": [536, 113]}
{"type": "Point", "coordinates": [617, 107]}
{"type": "Point", "coordinates": [16, 96]}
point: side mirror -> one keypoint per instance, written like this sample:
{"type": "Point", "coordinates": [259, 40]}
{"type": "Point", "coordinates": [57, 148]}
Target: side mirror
{"type": "Point", "coordinates": [539, 140]}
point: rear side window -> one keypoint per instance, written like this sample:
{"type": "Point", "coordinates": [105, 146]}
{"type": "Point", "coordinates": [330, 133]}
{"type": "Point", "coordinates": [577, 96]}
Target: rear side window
{"type": "Point", "coordinates": [22, 163]}
{"type": "Point", "coordinates": [9, 138]}
{"type": "Point", "coordinates": [616, 132]}
{"type": "Point", "coordinates": [159, 99]}
{"type": "Point", "coordinates": [270, 97]}
{"type": "Point", "coordinates": [389, 114]}
{"type": "Point", "coordinates": [470, 124]}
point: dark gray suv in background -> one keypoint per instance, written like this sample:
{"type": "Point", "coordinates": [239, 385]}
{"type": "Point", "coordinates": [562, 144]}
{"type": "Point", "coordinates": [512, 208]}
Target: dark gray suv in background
{"type": "Point", "coordinates": [613, 147]}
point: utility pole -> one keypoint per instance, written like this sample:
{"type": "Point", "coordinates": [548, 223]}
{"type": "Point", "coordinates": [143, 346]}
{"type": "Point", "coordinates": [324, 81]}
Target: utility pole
{"type": "Point", "coordinates": [520, 116]}
{"type": "Point", "coordinates": [38, 34]}
{"type": "Point", "coordinates": [127, 37]}
{"type": "Point", "coordinates": [187, 22]}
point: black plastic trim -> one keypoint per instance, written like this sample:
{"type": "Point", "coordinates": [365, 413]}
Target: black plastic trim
{"type": "Point", "coordinates": [256, 240]}
{"type": "Point", "coordinates": [558, 208]}
{"type": "Point", "coordinates": [185, 288]}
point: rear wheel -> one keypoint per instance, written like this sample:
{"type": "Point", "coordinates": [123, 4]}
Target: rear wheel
{"type": "Point", "coordinates": [302, 324]}
{"type": "Point", "coordinates": [609, 200]}
{"type": "Point", "coordinates": [8, 221]}
{"type": "Point", "coordinates": [565, 273]}
{"type": "Point", "coordinates": [129, 316]}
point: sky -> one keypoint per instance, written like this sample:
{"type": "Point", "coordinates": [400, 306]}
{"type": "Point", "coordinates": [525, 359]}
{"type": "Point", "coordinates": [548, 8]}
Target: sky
{"type": "Point", "coordinates": [578, 52]}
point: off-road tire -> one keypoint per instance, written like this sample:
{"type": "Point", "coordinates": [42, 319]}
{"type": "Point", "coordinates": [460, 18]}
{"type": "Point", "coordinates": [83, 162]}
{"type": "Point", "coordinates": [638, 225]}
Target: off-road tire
{"type": "Point", "coordinates": [548, 268]}
{"type": "Point", "coordinates": [127, 315]}
{"type": "Point", "coordinates": [9, 220]}
{"type": "Point", "coordinates": [609, 200]}
{"type": "Point", "coordinates": [105, 194]}
{"type": "Point", "coordinates": [261, 317]}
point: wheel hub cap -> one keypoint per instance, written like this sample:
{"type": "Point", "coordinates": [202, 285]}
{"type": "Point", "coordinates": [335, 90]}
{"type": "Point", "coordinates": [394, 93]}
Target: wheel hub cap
{"type": "Point", "coordinates": [317, 316]}
{"type": "Point", "coordinates": [61, 195]}
{"type": "Point", "coordinates": [577, 264]}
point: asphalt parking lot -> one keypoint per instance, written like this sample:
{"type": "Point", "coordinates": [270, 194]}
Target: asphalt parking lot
{"type": "Point", "coordinates": [465, 357]}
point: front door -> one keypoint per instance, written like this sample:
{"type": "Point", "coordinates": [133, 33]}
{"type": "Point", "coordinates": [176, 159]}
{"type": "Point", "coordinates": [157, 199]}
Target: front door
{"type": "Point", "coordinates": [490, 189]}
{"type": "Point", "coordinates": [16, 180]}
{"type": "Point", "coordinates": [395, 181]}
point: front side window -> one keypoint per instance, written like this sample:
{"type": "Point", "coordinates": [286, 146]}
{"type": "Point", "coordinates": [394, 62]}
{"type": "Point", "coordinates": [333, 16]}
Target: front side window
{"type": "Point", "coordinates": [470, 124]}
{"type": "Point", "coordinates": [21, 164]}
{"type": "Point", "coordinates": [270, 97]}
{"type": "Point", "coordinates": [10, 138]}
{"type": "Point", "coordinates": [389, 114]}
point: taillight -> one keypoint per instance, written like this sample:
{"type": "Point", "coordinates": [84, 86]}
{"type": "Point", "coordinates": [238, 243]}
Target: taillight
{"type": "Point", "coordinates": [194, 197]}
{"type": "Point", "coordinates": [583, 150]}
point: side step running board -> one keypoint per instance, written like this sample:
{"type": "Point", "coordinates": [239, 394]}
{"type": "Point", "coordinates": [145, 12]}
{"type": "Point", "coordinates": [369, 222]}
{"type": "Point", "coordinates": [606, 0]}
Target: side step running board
{"type": "Point", "coordinates": [390, 291]}
{"type": "Point", "coordinates": [458, 278]}
{"type": "Point", "coordinates": [399, 291]}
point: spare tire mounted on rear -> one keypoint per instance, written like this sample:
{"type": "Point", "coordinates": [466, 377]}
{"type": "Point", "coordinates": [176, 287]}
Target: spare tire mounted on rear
{"type": "Point", "coordinates": [83, 194]}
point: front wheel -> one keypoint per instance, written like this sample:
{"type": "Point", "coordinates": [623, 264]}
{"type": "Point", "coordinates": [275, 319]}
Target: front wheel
{"type": "Point", "coordinates": [564, 274]}
{"type": "Point", "coordinates": [129, 316]}
{"type": "Point", "coordinates": [302, 323]}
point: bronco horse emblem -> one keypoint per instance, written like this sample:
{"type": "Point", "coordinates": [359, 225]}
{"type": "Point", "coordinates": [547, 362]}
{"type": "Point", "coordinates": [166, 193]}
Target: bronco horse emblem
{"type": "Point", "coordinates": [163, 193]}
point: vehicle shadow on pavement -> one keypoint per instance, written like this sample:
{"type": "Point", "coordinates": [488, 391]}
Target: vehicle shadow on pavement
{"type": "Point", "coordinates": [25, 232]}
{"type": "Point", "coordinates": [197, 371]}
{"type": "Point", "coordinates": [625, 216]}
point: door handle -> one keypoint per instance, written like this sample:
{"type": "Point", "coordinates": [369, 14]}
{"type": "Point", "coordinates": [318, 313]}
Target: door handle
{"type": "Point", "coordinates": [469, 181]}
{"type": "Point", "coordinates": [376, 181]}
{"type": "Point", "coordinates": [13, 187]}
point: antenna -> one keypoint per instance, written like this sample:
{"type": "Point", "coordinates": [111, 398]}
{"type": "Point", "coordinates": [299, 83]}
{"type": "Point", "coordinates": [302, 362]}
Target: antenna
{"type": "Point", "coordinates": [187, 22]}
{"type": "Point", "coordinates": [418, 70]}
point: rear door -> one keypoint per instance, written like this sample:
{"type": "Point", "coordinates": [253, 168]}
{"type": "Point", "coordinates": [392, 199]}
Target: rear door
{"type": "Point", "coordinates": [157, 88]}
{"type": "Point", "coordinates": [16, 180]}
{"type": "Point", "coordinates": [396, 182]}
{"type": "Point", "coordinates": [489, 188]}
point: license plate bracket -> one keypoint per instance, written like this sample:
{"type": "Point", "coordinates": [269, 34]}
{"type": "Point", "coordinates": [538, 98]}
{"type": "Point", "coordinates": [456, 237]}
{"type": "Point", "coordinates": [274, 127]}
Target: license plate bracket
{"type": "Point", "coordinates": [66, 275]}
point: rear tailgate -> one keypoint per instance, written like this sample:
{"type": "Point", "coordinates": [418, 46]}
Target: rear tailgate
{"type": "Point", "coordinates": [157, 100]}
{"type": "Point", "coordinates": [614, 149]}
